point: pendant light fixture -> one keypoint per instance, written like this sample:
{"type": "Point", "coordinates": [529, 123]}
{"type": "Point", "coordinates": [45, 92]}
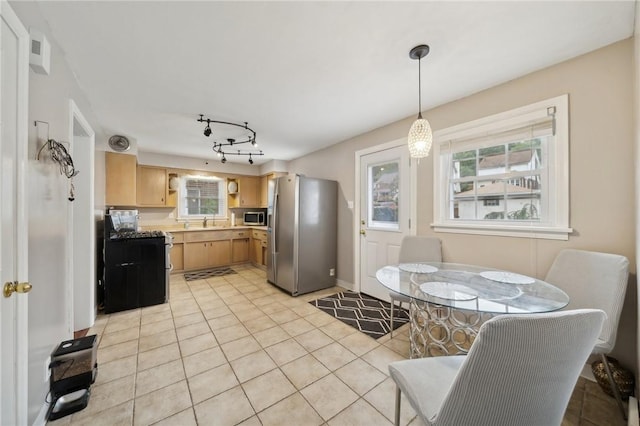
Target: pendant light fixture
{"type": "Point", "coordinates": [420, 134]}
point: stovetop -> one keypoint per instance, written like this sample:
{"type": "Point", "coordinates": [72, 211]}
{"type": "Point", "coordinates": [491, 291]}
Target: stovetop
{"type": "Point", "coordinates": [136, 234]}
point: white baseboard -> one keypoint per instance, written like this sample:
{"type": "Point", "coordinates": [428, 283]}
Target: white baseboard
{"type": "Point", "coordinates": [41, 420]}
{"type": "Point", "coordinates": [345, 284]}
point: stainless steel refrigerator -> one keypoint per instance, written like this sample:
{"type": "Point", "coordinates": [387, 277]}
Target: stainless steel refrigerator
{"type": "Point", "coordinates": [302, 218]}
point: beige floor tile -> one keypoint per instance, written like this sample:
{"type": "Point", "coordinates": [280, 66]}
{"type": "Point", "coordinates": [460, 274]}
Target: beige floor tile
{"type": "Point", "coordinates": [334, 356]}
{"type": "Point", "coordinates": [121, 350]}
{"type": "Point", "coordinates": [154, 310]}
{"type": "Point", "coordinates": [203, 361]}
{"type": "Point", "coordinates": [183, 418]}
{"type": "Point", "coordinates": [120, 415]}
{"type": "Point", "coordinates": [249, 314]}
{"type": "Point", "coordinates": [297, 327]}
{"type": "Point", "coordinates": [304, 371]}
{"type": "Point", "coordinates": [251, 421]}
{"type": "Point", "coordinates": [305, 309]}
{"type": "Point", "coordinates": [338, 330]}
{"type": "Point", "coordinates": [286, 351]}
{"type": "Point", "coordinates": [107, 396]}
{"type": "Point", "coordinates": [319, 319]}
{"type": "Point", "coordinates": [272, 307]}
{"type": "Point", "coordinates": [240, 347]}
{"type": "Point", "coordinates": [193, 330]}
{"type": "Point", "coordinates": [252, 365]}
{"type": "Point", "coordinates": [328, 396]}
{"type": "Point", "coordinates": [231, 300]}
{"type": "Point", "coordinates": [381, 357]}
{"type": "Point", "coordinates": [197, 344]}
{"type": "Point", "coordinates": [162, 403]}
{"type": "Point", "coordinates": [264, 391]}
{"type": "Point", "coordinates": [293, 410]}
{"type": "Point", "coordinates": [359, 413]}
{"type": "Point", "coordinates": [313, 340]}
{"type": "Point", "coordinates": [185, 320]}
{"type": "Point", "coordinates": [185, 309]}
{"type": "Point", "coordinates": [228, 334]}
{"type": "Point", "coordinates": [360, 376]}
{"type": "Point", "coordinates": [116, 369]}
{"type": "Point", "coordinates": [359, 343]}
{"type": "Point", "coordinates": [157, 340]}
{"type": "Point", "coordinates": [223, 322]}
{"type": "Point", "coordinates": [159, 377]}
{"type": "Point", "coordinates": [255, 295]}
{"type": "Point", "coordinates": [212, 382]}
{"type": "Point", "coordinates": [399, 346]}
{"type": "Point", "coordinates": [156, 327]}
{"type": "Point", "coordinates": [158, 356]}
{"type": "Point", "coordinates": [260, 323]}
{"type": "Point", "coordinates": [271, 336]}
{"type": "Point", "coordinates": [383, 398]}
{"type": "Point", "coordinates": [284, 316]}
{"type": "Point", "coordinates": [228, 408]}
{"type": "Point", "coordinates": [211, 312]}
{"type": "Point", "coordinates": [119, 337]}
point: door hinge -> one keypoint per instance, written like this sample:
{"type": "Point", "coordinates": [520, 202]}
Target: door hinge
{"type": "Point", "coordinates": [409, 223]}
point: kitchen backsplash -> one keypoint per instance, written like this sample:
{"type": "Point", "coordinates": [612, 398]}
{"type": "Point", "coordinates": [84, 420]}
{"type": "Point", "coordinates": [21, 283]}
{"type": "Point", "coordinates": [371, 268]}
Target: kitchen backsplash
{"type": "Point", "coordinates": [166, 218]}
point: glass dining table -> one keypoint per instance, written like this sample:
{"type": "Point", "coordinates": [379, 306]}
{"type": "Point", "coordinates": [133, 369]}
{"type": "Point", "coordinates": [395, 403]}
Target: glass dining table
{"type": "Point", "coordinates": [450, 301]}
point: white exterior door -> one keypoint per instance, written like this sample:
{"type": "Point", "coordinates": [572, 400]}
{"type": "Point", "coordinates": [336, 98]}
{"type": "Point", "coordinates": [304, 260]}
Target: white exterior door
{"type": "Point", "coordinates": [14, 74]}
{"type": "Point", "coordinates": [385, 212]}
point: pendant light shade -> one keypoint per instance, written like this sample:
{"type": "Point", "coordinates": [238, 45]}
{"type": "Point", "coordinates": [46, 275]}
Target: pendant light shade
{"type": "Point", "coordinates": [420, 135]}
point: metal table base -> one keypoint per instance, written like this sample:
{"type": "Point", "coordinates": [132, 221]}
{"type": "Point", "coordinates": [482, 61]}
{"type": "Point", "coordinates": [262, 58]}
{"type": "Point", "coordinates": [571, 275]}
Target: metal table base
{"type": "Point", "coordinates": [437, 330]}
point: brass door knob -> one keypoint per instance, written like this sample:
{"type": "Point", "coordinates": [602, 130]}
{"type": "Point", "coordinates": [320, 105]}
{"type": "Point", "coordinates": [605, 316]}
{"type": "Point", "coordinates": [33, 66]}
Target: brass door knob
{"type": "Point", "coordinates": [363, 232]}
{"type": "Point", "coordinates": [16, 287]}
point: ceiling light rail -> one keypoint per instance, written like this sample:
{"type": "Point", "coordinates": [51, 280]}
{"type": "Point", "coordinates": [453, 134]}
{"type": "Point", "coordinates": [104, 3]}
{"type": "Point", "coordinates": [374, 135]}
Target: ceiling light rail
{"type": "Point", "coordinates": [224, 148]}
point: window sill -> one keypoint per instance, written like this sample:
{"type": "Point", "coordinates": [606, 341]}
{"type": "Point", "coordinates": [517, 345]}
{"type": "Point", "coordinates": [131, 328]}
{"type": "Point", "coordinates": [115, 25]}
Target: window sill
{"type": "Point", "coordinates": [503, 230]}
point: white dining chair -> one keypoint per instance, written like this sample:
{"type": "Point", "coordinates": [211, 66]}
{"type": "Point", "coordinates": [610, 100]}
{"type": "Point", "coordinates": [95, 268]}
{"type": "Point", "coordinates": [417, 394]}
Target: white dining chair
{"type": "Point", "coordinates": [520, 370]}
{"type": "Point", "coordinates": [594, 280]}
{"type": "Point", "coordinates": [415, 249]}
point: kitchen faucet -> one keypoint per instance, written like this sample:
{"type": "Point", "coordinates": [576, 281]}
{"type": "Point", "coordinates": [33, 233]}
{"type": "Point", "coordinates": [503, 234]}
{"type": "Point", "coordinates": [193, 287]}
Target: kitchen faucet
{"type": "Point", "coordinates": [204, 222]}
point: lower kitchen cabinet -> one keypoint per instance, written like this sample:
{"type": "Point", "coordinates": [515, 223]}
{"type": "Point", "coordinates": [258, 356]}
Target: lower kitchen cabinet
{"type": "Point", "coordinates": [240, 250]}
{"type": "Point", "coordinates": [219, 253]}
{"type": "Point", "coordinates": [256, 252]}
{"type": "Point", "coordinates": [196, 255]}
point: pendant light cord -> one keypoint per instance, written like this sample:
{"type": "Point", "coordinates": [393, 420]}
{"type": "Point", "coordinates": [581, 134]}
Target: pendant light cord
{"type": "Point", "coordinates": [419, 90]}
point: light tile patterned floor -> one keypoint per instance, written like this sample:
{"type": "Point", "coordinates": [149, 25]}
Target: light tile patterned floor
{"type": "Point", "coordinates": [235, 350]}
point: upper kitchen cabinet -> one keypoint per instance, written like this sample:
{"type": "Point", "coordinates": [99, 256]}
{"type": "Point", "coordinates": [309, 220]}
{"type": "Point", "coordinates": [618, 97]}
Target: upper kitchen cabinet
{"type": "Point", "coordinates": [264, 187]}
{"type": "Point", "coordinates": [120, 179]}
{"type": "Point", "coordinates": [248, 191]}
{"type": "Point", "coordinates": [152, 187]}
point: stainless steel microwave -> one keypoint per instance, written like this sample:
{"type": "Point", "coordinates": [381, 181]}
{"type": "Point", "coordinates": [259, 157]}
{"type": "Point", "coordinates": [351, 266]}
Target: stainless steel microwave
{"type": "Point", "coordinates": [253, 218]}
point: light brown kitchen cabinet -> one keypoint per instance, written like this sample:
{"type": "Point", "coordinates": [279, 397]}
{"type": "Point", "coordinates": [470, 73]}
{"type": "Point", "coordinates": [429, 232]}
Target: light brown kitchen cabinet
{"type": "Point", "coordinates": [264, 189]}
{"type": "Point", "coordinates": [258, 255]}
{"type": "Point", "coordinates": [151, 186]}
{"type": "Point", "coordinates": [219, 253]}
{"type": "Point", "coordinates": [248, 187]}
{"type": "Point", "coordinates": [240, 250]}
{"type": "Point", "coordinates": [120, 170]}
{"type": "Point", "coordinates": [256, 252]}
{"type": "Point", "coordinates": [196, 255]}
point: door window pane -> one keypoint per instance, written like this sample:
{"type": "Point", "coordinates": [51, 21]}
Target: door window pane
{"type": "Point", "coordinates": [384, 195]}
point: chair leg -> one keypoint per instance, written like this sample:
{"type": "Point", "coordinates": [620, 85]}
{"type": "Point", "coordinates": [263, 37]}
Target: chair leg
{"type": "Point", "coordinates": [393, 304]}
{"type": "Point", "coordinates": [613, 386]}
{"type": "Point", "coordinates": [397, 417]}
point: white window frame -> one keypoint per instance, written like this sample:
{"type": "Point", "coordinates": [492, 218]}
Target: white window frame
{"type": "Point", "coordinates": [182, 208]}
{"type": "Point", "coordinates": [556, 226]}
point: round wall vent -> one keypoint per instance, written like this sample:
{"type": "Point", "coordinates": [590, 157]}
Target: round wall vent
{"type": "Point", "coordinates": [119, 143]}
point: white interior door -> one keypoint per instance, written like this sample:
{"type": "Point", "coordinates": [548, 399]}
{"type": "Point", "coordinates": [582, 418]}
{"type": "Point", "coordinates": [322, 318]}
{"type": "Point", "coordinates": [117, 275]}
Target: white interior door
{"type": "Point", "coordinates": [14, 62]}
{"type": "Point", "coordinates": [385, 213]}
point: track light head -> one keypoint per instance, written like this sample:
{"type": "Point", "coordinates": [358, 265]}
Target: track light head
{"type": "Point", "coordinates": [250, 159]}
{"type": "Point", "coordinates": [207, 131]}
{"type": "Point", "coordinates": [224, 159]}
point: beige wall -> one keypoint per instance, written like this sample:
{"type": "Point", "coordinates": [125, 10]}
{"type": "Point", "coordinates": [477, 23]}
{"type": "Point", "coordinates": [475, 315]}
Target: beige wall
{"type": "Point", "coordinates": [602, 214]}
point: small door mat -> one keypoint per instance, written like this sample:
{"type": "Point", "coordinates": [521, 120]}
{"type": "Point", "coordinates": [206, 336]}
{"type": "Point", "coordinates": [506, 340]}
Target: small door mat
{"type": "Point", "coordinates": [208, 273]}
{"type": "Point", "coordinates": [362, 312]}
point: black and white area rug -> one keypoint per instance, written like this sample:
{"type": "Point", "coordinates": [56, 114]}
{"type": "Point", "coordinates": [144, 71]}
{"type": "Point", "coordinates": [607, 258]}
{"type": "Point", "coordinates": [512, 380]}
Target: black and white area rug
{"type": "Point", "coordinates": [208, 273]}
{"type": "Point", "coordinates": [365, 313]}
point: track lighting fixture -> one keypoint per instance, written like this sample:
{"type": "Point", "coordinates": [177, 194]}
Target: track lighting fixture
{"type": "Point", "coordinates": [248, 135]}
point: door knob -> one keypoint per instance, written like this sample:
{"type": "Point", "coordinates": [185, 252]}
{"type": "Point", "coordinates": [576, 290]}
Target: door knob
{"type": "Point", "coordinates": [363, 232]}
{"type": "Point", "coordinates": [15, 287]}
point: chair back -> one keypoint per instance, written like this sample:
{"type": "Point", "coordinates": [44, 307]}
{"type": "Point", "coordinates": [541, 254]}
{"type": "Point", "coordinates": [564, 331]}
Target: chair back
{"type": "Point", "coordinates": [521, 369]}
{"type": "Point", "coordinates": [420, 249]}
{"type": "Point", "coordinates": [593, 280]}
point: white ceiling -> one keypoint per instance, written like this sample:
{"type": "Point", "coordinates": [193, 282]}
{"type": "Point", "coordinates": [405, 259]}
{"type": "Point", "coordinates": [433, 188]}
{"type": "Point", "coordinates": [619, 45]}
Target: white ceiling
{"type": "Point", "coordinates": [305, 75]}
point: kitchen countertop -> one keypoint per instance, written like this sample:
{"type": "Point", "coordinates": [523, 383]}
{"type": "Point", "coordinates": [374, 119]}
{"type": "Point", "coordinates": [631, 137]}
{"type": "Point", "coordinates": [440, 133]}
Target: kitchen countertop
{"type": "Point", "coordinates": [208, 228]}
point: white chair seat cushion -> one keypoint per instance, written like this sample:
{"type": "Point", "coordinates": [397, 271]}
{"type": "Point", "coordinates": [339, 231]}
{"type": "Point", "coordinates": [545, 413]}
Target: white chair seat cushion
{"type": "Point", "coordinates": [428, 376]}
